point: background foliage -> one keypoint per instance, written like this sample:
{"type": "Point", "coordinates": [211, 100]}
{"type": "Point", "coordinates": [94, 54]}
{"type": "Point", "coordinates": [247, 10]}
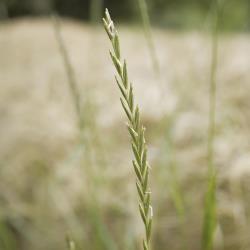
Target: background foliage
{"type": "Point", "coordinates": [171, 13]}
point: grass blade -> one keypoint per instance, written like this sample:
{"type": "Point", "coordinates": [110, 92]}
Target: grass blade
{"type": "Point", "coordinates": [148, 35]}
{"type": "Point", "coordinates": [75, 93]}
{"type": "Point", "coordinates": [210, 220]}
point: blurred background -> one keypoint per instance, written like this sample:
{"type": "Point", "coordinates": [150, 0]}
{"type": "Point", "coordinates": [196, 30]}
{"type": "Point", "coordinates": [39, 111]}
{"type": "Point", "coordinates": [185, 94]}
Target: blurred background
{"type": "Point", "coordinates": [166, 13]}
{"type": "Point", "coordinates": [65, 156]}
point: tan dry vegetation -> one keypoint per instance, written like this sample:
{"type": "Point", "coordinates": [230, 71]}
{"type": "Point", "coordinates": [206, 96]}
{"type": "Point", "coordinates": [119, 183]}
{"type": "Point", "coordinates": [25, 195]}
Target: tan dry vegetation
{"type": "Point", "coordinates": [48, 180]}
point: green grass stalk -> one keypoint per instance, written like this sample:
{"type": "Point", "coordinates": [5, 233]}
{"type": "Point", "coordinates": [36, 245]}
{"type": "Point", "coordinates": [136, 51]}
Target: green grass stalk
{"type": "Point", "coordinates": [75, 93]}
{"type": "Point", "coordinates": [103, 238]}
{"type": "Point", "coordinates": [210, 216]}
{"type": "Point", "coordinates": [136, 131]}
{"type": "Point", "coordinates": [148, 35]}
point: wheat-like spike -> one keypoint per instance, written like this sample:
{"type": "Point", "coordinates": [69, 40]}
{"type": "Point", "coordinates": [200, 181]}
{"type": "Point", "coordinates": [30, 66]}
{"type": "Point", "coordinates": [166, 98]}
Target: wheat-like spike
{"type": "Point", "coordinates": [135, 128]}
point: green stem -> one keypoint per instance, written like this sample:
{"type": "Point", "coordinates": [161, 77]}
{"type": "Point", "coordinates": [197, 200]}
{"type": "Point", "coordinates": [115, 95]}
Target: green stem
{"type": "Point", "coordinates": [213, 92]}
{"type": "Point", "coordinates": [69, 72]}
{"type": "Point", "coordinates": [210, 219]}
{"type": "Point", "coordinates": [148, 35]}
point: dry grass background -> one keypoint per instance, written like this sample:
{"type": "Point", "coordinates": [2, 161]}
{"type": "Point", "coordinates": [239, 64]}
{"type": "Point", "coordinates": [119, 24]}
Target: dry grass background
{"type": "Point", "coordinates": [51, 185]}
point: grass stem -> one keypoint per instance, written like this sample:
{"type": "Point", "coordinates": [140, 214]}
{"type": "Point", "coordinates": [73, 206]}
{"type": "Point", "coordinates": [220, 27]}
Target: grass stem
{"type": "Point", "coordinates": [148, 35]}
{"type": "Point", "coordinates": [69, 71]}
{"type": "Point", "coordinates": [210, 220]}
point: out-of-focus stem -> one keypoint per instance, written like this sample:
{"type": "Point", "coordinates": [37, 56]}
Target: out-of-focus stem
{"type": "Point", "coordinates": [96, 11]}
{"type": "Point", "coordinates": [69, 72]}
{"type": "Point", "coordinates": [210, 216]}
{"type": "Point", "coordinates": [148, 35]}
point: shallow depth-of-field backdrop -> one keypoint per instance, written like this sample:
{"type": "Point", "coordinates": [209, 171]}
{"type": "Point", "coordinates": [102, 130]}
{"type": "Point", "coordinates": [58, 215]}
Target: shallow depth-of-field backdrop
{"type": "Point", "coordinates": [65, 154]}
